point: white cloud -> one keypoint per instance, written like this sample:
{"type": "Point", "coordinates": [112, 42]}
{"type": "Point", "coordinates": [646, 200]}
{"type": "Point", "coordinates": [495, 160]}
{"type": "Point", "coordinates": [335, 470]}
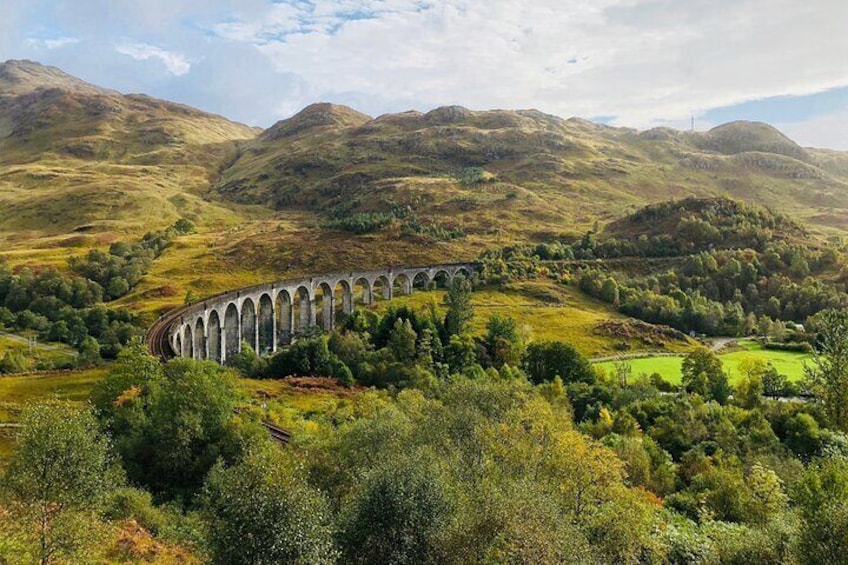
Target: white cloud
{"type": "Point", "coordinates": [641, 61]}
{"type": "Point", "coordinates": [54, 43]}
{"type": "Point", "coordinates": [830, 130]}
{"type": "Point", "coordinates": [635, 62]}
{"type": "Point", "coordinates": [175, 63]}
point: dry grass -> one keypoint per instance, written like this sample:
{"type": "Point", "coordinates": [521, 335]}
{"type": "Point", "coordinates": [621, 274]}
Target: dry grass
{"type": "Point", "coordinates": [18, 391]}
{"type": "Point", "coordinates": [545, 311]}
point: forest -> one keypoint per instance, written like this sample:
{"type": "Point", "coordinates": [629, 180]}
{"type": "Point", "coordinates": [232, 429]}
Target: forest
{"type": "Point", "coordinates": [717, 267]}
{"type": "Point", "coordinates": [454, 448]}
{"type": "Point", "coordinates": [71, 309]}
{"type": "Point", "coordinates": [448, 444]}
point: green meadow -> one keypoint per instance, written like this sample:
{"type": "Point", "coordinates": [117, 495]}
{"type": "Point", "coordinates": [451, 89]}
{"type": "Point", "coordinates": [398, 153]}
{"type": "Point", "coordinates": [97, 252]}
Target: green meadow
{"type": "Point", "coordinates": [789, 363]}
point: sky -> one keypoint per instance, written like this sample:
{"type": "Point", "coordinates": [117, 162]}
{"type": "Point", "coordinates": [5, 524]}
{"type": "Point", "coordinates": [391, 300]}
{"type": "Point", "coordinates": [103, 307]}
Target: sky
{"type": "Point", "coordinates": [634, 63]}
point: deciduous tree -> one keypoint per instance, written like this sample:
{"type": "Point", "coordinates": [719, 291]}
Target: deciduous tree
{"type": "Point", "coordinates": [57, 477]}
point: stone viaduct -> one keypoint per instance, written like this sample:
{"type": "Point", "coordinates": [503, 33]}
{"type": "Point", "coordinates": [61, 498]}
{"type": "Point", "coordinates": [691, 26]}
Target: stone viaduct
{"type": "Point", "coordinates": [270, 315]}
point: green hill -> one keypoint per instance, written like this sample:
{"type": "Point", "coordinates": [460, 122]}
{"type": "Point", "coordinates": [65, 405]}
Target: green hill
{"type": "Point", "coordinates": [331, 188]}
{"type": "Point", "coordinates": [722, 222]}
{"type": "Point", "coordinates": [78, 158]}
{"type": "Point", "coordinates": [521, 172]}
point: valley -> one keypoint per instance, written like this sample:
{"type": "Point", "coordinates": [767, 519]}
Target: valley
{"type": "Point", "coordinates": [556, 398]}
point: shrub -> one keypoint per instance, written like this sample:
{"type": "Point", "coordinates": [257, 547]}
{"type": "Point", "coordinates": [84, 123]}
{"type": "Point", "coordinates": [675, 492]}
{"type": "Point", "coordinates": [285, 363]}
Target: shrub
{"type": "Point", "coordinates": [546, 360]}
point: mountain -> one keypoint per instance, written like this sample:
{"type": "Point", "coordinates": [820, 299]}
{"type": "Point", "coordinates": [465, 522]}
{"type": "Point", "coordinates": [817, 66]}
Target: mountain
{"type": "Point", "coordinates": [745, 137]}
{"type": "Point", "coordinates": [74, 156]}
{"type": "Point", "coordinates": [331, 188]}
{"type": "Point", "coordinates": [536, 174]}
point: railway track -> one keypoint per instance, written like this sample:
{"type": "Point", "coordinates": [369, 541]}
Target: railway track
{"type": "Point", "coordinates": [156, 338]}
{"type": "Point", "coordinates": [278, 434]}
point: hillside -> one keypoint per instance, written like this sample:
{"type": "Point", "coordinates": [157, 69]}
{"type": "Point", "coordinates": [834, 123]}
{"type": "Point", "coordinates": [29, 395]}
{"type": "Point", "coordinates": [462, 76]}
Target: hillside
{"type": "Point", "coordinates": [522, 172]}
{"type": "Point", "coordinates": [78, 158]}
{"type": "Point", "coordinates": [331, 188]}
{"type": "Point", "coordinates": [734, 223]}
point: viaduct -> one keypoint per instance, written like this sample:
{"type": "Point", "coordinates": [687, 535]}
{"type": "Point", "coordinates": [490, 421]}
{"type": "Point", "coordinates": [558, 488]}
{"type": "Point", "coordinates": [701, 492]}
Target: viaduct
{"type": "Point", "coordinates": [270, 315]}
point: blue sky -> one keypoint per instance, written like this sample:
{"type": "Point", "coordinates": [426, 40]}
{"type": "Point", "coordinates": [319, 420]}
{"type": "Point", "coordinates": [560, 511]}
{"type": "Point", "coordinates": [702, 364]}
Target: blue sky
{"type": "Point", "coordinates": [636, 63]}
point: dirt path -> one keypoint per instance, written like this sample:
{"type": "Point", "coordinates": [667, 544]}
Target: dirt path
{"type": "Point", "coordinates": [715, 345]}
{"type": "Point", "coordinates": [720, 343]}
{"type": "Point", "coordinates": [38, 345]}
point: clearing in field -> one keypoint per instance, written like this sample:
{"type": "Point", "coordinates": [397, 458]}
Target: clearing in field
{"type": "Point", "coordinates": [789, 363]}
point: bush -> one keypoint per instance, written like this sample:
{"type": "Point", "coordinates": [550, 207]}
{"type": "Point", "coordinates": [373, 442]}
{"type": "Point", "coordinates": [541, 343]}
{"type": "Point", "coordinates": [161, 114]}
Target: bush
{"type": "Point", "coordinates": [248, 363]}
{"type": "Point", "coordinates": [14, 361]}
{"type": "Point", "coordinates": [183, 226]}
{"type": "Point", "coordinates": [545, 360]}
{"type": "Point", "coordinates": [128, 503]}
{"type": "Point", "coordinates": [362, 222]}
{"type": "Point", "coordinates": [802, 347]}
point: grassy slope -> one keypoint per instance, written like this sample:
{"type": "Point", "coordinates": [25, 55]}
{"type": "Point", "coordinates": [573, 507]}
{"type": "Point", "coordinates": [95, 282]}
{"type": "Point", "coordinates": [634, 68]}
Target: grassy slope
{"type": "Point", "coordinates": [16, 392]}
{"type": "Point", "coordinates": [81, 167]}
{"type": "Point", "coordinates": [545, 311]}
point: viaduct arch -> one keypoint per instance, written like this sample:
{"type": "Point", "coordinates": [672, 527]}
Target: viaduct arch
{"type": "Point", "coordinates": [271, 315]}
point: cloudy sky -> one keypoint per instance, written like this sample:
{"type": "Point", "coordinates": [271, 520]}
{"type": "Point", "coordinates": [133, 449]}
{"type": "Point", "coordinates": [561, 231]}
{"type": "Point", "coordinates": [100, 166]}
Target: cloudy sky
{"type": "Point", "coordinates": [637, 63]}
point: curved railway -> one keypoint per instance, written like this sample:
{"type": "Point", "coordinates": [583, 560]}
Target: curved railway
{"type": "Point", "coordinates": [159, 345]}
{"type": "Point", "coordinates": [158, 337]}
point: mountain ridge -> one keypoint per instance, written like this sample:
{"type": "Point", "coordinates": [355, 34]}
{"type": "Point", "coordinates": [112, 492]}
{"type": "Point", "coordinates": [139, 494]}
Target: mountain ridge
{"type": "Point", "coordinates": [367, 165]}
{"type": "Point", "coordinates": [22, 76]}
{"type": "Point", "coordinates": [76, 155]}
{"type": "Point", "coordinates": [331, 187]}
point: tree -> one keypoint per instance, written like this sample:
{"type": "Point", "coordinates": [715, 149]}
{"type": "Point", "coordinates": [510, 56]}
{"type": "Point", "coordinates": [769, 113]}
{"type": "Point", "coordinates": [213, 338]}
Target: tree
{"type": "Point", "coordinates": [609, 292]}
{"type": "Point", "coordinates": [548, 359]}
{"type": "Point", "coordinates": [89, 352]}
{"type": "Point", "coordinates": [188, 427]}
{"type": "Point", "coordinates": [776, 384]}
{"type": "Point", "coordinates": [461, 353]}
{"type": "Point", "coordinates": [121, 397]}
{"type": "Point", "coordinates": [247, 362]}
{"type": "Point", "coordinates": [803, 435]}
{"type": "Point", "coordinates": [703, 374]}
{"type": "Point", "coordinates": [827, 377]}
{"type": "Point", "coordinates": [170, 424]}
{"type": "Point", "coordinates": [460, 310]}
{"type": "Point", "coordinates": [260, 513]}
{"type": "Point", "coordinates": [750, 389]}
{"type": "Point", "coordinates": [397, 517]}
{"type": "Point", "coordinates": [822, 498]}
{"type": "Point", "coordinates": [57, 476]}
{"type": "Point", "coordinates": [768, 499]}
{"type": "Point", "coordinates": [503, 341]}
{"type": "Point", "coordinates": [117, 287]}
{"type": "Point", "coordinates": [402, 341]}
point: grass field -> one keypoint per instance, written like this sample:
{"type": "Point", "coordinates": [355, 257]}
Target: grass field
{"type": "Point", "coordinates": [16, 392]}
{"type": "Point", "coordinates": [789, 363]}
{"type": "Point", "coordinates": [545, 311]}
